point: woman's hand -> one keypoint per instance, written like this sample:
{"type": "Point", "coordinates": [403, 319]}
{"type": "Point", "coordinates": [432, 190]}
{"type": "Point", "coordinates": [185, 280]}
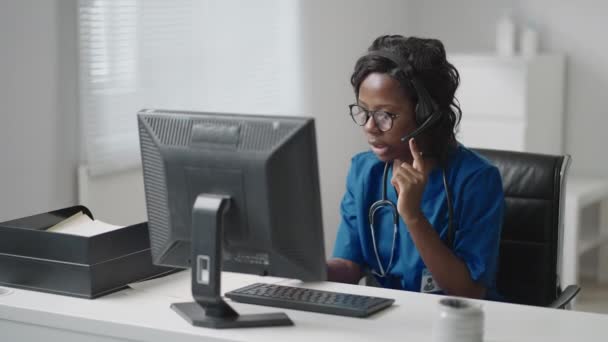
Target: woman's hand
{"type": "Point", "coordinates": [410, 181]}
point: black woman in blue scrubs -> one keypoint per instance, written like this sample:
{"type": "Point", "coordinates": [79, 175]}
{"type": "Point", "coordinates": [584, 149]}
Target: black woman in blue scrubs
{"type": "Point", "coordinates": [420, 212]}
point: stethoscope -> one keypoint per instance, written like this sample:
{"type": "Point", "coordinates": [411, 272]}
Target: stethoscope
{"type": "Point", "coordinates": [385, 203]}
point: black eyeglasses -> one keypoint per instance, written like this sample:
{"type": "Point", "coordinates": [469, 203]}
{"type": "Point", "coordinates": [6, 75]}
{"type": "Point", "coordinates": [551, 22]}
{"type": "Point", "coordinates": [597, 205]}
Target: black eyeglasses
{"type": "Point", "coordinates": [382, 119]}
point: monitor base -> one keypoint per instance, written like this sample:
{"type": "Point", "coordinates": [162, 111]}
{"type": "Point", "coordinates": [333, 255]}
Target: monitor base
{"type": "Point", "coordinates": [195, 314]}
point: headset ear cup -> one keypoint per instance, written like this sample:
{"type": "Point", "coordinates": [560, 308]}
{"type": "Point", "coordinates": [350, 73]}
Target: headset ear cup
{"type": "Point", "coordinates": [419, 115]}
{"type": "Point", "coordinates": [422, 114]}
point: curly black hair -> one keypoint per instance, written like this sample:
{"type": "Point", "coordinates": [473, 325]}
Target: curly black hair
{"type": "Point", "coordinates": [428, 64]}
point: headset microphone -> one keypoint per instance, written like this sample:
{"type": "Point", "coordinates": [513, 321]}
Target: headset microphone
{"type": "Point", "coordinates": [423, 127]}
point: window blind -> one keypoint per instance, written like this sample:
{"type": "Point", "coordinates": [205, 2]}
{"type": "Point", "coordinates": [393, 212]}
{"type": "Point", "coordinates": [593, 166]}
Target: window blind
{"type": "Point", "coordinates": [234, 56]}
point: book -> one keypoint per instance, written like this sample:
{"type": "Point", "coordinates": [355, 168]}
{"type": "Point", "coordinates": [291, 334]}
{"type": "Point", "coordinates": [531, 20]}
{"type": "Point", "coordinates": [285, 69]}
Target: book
{"type": "Point", "coordinates": [81, 224]}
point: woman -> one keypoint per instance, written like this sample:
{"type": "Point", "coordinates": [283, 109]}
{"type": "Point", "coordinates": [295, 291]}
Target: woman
{"type": "Point", "coordinates": [421, 212]}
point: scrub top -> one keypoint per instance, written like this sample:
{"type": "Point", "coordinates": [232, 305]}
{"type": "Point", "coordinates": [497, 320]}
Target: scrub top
{"type": "Point", "coordinates": [478, 202]}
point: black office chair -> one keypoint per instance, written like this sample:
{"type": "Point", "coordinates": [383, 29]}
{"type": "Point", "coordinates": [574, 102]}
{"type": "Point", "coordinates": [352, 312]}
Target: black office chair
{"type": "Point", "coordinates": [532, 228]}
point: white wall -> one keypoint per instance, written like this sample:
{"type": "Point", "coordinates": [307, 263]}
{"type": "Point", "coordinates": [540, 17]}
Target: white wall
{"type": "Point", "coordinates": [334, 34]}
{"type": "Point", "coordinates": [38, 146]}
{"type": "Point", "coordinates": [575, 28]}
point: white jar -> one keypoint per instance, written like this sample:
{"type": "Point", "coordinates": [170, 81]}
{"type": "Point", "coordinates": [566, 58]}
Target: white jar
{"type": "Point", "coordinates": [505, 36]}
{"type": "Point", "coordinates": [458, 320]}
{"type": "Point", "coordinates": [529, 42]}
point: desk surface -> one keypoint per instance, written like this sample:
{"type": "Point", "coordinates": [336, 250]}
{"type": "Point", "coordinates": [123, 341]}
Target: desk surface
{"type": "Point", "coordinates": [143, 314]}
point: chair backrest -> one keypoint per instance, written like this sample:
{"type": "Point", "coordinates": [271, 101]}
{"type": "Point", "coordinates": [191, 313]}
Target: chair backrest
{"type": "Point", "coordinates": [532, 228]}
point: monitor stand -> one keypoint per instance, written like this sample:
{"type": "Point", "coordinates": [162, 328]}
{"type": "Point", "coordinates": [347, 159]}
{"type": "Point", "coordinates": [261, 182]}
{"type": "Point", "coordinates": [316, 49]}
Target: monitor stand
{"type": "Point", "coordinates": [209, 309]}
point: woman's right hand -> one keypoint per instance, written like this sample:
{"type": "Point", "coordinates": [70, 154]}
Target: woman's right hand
{"type": "Point", "coordinates": [410, 181]}
{"type": "Point", "coordinates": [343, 271]}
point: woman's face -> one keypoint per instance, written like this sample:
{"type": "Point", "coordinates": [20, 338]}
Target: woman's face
{"type": "Point", "coordinates": [379, 91]}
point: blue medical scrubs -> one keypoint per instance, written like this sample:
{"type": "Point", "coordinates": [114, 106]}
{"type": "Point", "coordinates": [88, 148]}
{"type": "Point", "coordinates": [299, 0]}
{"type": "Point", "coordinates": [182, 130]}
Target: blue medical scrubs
{"type": "Point", "coordinates": [478, 201]}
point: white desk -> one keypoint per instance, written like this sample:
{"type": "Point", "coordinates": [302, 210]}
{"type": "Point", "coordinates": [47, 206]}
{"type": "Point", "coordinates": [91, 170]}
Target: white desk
{"type": "Point", "coordinates": [579, 237]}
{"type": "Point", "coordinates": [144, 315]}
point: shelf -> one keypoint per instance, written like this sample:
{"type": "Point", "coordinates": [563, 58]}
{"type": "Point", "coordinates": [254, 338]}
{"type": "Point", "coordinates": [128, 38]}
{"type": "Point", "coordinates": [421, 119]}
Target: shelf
{"type": "Point", "coordinates": [586, 190]}
{"type": "Point", "coordinates": [511, 103]}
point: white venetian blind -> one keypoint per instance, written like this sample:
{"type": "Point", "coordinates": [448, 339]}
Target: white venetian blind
{"type": "Point", "coordinates": [226, 56]}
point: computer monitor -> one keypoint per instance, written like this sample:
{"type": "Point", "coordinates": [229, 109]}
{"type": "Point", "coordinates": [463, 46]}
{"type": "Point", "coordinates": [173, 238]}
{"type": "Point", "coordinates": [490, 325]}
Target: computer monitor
{"type": "Point", "coordinates": [232, 192]}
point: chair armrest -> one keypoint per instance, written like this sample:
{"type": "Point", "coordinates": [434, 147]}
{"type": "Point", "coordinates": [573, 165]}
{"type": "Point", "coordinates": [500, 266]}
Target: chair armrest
{"type": "Point", "coordinates": [565, 297]}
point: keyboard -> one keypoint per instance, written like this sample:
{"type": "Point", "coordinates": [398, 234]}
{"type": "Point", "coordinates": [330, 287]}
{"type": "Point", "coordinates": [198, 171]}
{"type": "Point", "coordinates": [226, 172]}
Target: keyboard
{"type": "Point", "coordinates": [297, 298]}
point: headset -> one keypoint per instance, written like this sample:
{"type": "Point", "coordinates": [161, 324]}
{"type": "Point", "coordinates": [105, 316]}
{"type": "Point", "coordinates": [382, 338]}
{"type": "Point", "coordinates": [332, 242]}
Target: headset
{"type": "Point", "coordinates": [427, 114]}
{"type": "Point", "coordinates": [427, 111]}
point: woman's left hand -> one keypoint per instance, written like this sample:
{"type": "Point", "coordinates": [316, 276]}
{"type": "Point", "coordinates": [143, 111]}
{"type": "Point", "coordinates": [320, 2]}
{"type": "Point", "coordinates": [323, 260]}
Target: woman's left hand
{"type": "Point", "coordinates": [410, 181]}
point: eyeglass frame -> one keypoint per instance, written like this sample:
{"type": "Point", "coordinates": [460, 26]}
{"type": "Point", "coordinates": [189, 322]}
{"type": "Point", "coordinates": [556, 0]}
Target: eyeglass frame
{"type": "Point", "coordinates": [371, 113]}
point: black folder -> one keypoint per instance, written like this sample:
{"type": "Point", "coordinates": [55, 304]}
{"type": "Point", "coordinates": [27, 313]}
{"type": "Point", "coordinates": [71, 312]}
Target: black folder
{"type": "Point", "coordinates": [88, 267]}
